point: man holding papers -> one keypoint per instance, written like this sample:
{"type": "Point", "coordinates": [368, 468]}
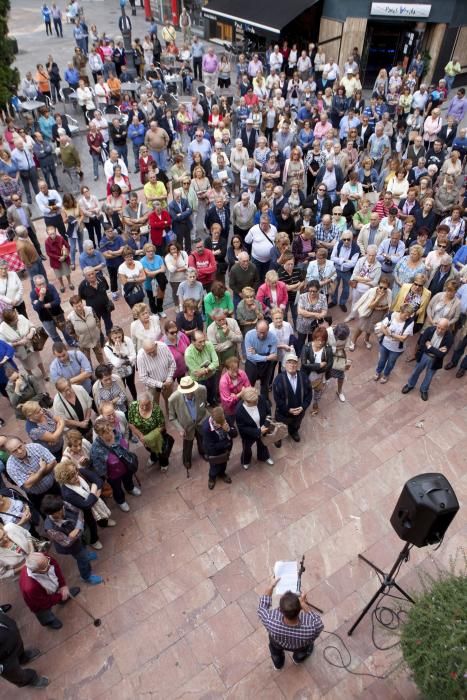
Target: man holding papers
{"type": "Point", "coordinates": [291, 627]}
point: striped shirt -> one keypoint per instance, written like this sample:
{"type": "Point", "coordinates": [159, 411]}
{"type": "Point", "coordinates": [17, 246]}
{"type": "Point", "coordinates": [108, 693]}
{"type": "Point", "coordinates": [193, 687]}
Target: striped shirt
{"type": "Point", "coordinates": [291, 638]}
{"type": "Point", "coordinates": [155, 370]}
{"type": "Point", "coordinates": [19, 470]}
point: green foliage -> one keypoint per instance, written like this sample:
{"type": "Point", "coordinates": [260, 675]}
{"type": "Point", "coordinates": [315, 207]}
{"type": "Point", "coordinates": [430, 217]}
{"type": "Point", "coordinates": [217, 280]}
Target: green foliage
{"type": "Point", "coordinates": [434, 638]}
{"type": "Point", "coordinates": [9, 76]}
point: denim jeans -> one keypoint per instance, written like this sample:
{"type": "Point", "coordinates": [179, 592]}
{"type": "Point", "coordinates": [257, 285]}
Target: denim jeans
{"type": "Point", "coordinates": [96, 159]}
{"type": "Point", "coordinates": [160, 158]}
{"type": "Point", "coordinates": [278, 655]}
{"type": "Point", "coordinates": [37, 268]}
{"type": "Point", "coordinates": [262, 268]}
{"type": "Point", "coordinates": [136, 147]}
{"type": "Point", "coordinates": [51, 330]}
{"type": "Point", "coordinates": [75, 242]}
{"type": "Point", "coordinates": [343, 277]}
{"type": "Point", "coordinates": [158, 86]}
{"type": "Point", "coordinates": [84, 566]}
{"type": "Point", "coordinates": [425, 363]}
{"type": "Point", "coordinates": [122, 152]}
{"type": "Point", "coordinates": [50, 175]}
{"type": "Point", "coordinates": [449, 81]}
{"type": "Point", "coordinates": [387, 360]}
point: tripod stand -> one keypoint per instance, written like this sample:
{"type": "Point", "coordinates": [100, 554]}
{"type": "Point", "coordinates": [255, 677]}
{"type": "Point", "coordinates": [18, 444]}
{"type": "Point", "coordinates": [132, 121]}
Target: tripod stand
{"type": "Point", "coordinates": [387, 583]}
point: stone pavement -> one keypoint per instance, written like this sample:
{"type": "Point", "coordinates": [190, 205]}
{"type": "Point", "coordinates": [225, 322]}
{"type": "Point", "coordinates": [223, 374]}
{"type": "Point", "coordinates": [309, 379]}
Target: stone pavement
{"type": "Point", "coordinates": [184, 568]}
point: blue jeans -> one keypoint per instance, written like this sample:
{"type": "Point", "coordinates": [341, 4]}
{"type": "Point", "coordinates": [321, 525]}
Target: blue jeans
{"type": "Point", "coordinates": [136, 147]}
{"type": "Point", "coordinates": [158, 86]}
{"type": "Point", "coordinates": [425, 363]}
{"type": "Point", "coordinates": [343, 277]}
{"type": "Point", "coordinates": [73, 242]}
{"type": "Point", "coordinates": [37, 268]}
{"type": "Point", "coordinates": [123, 153]}
{"type": "Point", "coordinates": [387, 360]}
{"type": "Point", "coordinates": [51, 330]}
{"type": "Point", "coordinates": [84, 566]}
{"type": "Point", "coordinates": [262, 268]}
{"type": "Point", "coordinates": [160, 158]}
{"type": "Point", "coordinates": [449, 82]}
{"type": "Point", "coordinates": [96, 159]}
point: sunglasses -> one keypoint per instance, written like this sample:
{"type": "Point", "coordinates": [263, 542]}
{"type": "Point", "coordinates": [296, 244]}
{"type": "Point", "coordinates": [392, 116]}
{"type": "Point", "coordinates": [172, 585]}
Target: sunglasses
{"type": "Point", "coordinates": [347, 239]}
{"type": "Point", "coordinates": [442, 246]}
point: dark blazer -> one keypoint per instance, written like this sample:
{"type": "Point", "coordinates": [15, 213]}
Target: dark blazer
{"type": "Point", "coordinates": [436, 353]}
{"type": "Point", "coordinates": [74, 498]}
{"type": "Point", "coordinates": [311, 202]}
{"type": "Point", "coordinates": [285, 398]}
{"type": "Point", "coordinates": [438, 281]}
{"type": "Point", "coordinates": [183, 222]}
{"type": "Point", "coordinates": [447, 139]}
{"type": "Point", "coordinates": [206, 107]}
{"type": "Point", "coordinates": [249, 140]}
{"type": "Point", "coordinates": [428, 222]}
{"type": "Point", "coordinates": [247, 428]}
{"type": "Point", "coordinates": [212, 217]}
{"type": "Point", "coordinates": [213, 443]}
{"type": "Point", "coordinates": [339, 176]}
{"type": "Point", "coordinates": [368, 133]}
{"type": "Point", "coordinates": [308, 360]}
{"type": "Point", "coordinates": [222, 246]}
{"type": "Point", "coordinates": [414, 209]}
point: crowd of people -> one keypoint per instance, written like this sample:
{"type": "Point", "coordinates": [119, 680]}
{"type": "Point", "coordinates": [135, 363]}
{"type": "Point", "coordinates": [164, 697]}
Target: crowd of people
{"type": "Point", "coordinates": [256, 215]}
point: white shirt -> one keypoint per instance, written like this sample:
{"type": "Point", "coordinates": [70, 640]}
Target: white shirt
{"type": "Point", "coordinates": [42, 201]}
{"type": "Point", "coordinates": [109, 167]}
{"type": "Point", "coordinates": [396, 327]}
{"type": "Point", "coordinates": [261, 242]}
{"type": "Point", "coordinates": [293, 381]}
{"type": "Point", "coordinates": [131, 273]}
{"type": "Point", "coordinates": [253, 412]}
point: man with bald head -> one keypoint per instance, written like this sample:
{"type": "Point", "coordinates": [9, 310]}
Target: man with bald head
{"type": "Point", "coordinates": [156, 368]}
{"type": "Point", "coordinates": [432, 347]}
{"type": "Point", "coordinates": [261, 354]}
{"type": "Point", "coordinates": [43, 585]}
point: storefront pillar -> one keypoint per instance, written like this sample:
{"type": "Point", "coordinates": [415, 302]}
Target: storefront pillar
{"type": "Point", "coordinates": [433, 47]}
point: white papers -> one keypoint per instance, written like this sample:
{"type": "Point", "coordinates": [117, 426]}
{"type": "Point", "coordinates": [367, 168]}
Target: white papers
{"type": "Point", "coordinates": [287, 571]}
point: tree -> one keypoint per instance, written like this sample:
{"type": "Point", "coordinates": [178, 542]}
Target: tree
{"type": "Point", "coordinates": [9, 76]}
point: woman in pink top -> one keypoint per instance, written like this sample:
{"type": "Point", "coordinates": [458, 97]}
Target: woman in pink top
{"type": "Point", "coordinates": [231, 386]}
{"type": "Point", "coordinates": [177, 342]}
{"type": "Point", "coordinates": [272, 293]}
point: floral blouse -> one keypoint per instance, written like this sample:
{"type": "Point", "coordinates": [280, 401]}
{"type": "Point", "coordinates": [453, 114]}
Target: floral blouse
{"type": "Point", "coordinates": [403, 274]}
{"type": "Point", "coordinates": [304, 325]}
{"type": "Point", "coordinates": [145, 425]}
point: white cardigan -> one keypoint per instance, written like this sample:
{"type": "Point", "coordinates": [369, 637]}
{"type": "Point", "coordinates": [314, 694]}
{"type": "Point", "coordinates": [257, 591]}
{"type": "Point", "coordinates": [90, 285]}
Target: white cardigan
{"type": "Point", "coordinates": [11, 289]}
{"type": "Point", "coordinates": [62, 408]}
{"type": "Point", "coordinates": [11, 335]}
{"type": "Point", "coordinates": [10, 559]}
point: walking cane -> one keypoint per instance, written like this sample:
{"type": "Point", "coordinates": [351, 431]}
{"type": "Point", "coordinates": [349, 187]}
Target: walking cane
{"type": "Point", "coordinates": [95, 620]}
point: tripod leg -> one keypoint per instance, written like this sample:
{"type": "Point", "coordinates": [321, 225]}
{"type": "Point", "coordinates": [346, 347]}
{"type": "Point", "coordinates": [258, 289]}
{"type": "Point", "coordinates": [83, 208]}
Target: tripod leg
{"type": "Point", "coordinates": [370, 563]}
{"type": "Point", "coordinates": [401, 590]}
{"type": "Point", "coordinates": [380, 590]}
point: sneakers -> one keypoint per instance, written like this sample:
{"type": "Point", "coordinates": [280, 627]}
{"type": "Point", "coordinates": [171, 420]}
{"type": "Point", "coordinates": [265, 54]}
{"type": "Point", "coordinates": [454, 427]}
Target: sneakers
{"type": "Point", "coordinates": [111, 523]}
{"type": "Point", "coordinates": [124, 506]}
{"type": "Point", "coordinates": [340, 396]}
{"type": "Point", "coordinates": [246, 466]}
{"type": "Point", "coordinates": [351, 346]}
{"type": "Point", "coordinates": [94, 580]}
{"type": "Point", "coordinates": [162, 314]}
{"type": "Point", "coordinates": [115, 296]}
{"type": "Point", "coordinates": [97, 545]}
{"type": "Point", "coordinates": [136, 491]}
{"type": "Point", "coordinates": [270, 461]}
{"type": "Point", "coordinates": [368, 345]}
{"type": "Point", "coordinates": [92, 556]}
{"type": "Point", "coordinates": [40, 682]}
{"type": "Point", "coordinates": [376, 377]}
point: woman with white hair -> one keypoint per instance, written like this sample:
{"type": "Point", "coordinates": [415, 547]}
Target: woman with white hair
{"type": "Point", "coordinates": [366, 274]}
{"type": "Point", "coordinates": [15, 545]}
{"type": "Point", "coordinates": [370, 309]}
{"type": "Point", "coordinates": [238, 159]}
{"type": "Point", "coordinates": [251, 413]}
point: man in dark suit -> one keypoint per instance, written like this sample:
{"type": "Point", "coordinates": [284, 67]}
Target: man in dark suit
{"type": "Point", "coordinates": [432, 347]}
{"type": "Point", "coordinates": [250, 415]}
{"type": "Point", "coordinates": [320, 204]}
{"type": "Point", "coordinates": [254, 193]}
{"type": "Point", "coordinates": [364, 131]}
{"type": "Point", "coordinates": [249, 136]}
{"type": "Point", "coordinates": [207, 103]}
{"type": "Point", "coordinates": [443, 273]}
{"type": "Point", "coordinates": [325, 173]}
{"type": "Point", "coordinates": [292, 394]}
{"type": "Point", "coordinates": [13, 656]}
{"type": "Point", "coordinates": [180, 213]}
{"type": "Point", "coordinates": [219, 213]}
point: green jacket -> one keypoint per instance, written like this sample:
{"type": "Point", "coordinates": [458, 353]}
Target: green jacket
{"type": "Point", "coordinates": [196, 360]}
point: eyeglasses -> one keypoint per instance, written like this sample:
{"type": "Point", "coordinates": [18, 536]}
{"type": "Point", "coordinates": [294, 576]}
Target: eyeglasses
{"type": "Point", "coordinates": [346, 239]}
{"type": "Point", "coordinates": [442, 246]}
{"type": "Point", "coordinates": [381, 286]}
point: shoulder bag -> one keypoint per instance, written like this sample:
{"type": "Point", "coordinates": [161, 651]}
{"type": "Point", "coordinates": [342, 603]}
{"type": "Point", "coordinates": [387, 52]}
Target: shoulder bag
{"type": "Point", "coordinates": [39, 339]}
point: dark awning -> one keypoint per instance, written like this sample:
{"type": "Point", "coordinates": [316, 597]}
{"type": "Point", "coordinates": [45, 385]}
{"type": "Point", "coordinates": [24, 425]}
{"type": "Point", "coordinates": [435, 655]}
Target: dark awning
{"type": "Point", "coordinates": [269, 16]}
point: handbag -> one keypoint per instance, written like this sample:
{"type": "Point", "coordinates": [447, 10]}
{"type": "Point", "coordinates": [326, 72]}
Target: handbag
{"type": "Point", "coordinates": [129, 459]}
{"type": "Point", "coordinates": [170, 236]}
{"type": "Point", "coordinates": [133, 293]}
{"type": "Point", "coordinates": [39, 338]}
{"type": "Point", "coordinates": [277, 431]}
{"type": "Point", "coordinates": [218, 459]}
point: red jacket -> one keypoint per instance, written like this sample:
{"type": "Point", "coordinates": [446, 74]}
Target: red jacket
{"type": "Point", "coordinates": [159, 224]}
{"type": "Point", "coordinates": [53, 248]}
{"type": "Point", "coordinates": [35, 597]}
{"type": "Point", "coordinates": [264, 293]}
{"type": "Point", "coordinates": [205, 265]}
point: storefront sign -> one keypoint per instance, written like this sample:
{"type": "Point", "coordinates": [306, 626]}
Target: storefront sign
{"type": "Point", "coordinates": [402, 10]}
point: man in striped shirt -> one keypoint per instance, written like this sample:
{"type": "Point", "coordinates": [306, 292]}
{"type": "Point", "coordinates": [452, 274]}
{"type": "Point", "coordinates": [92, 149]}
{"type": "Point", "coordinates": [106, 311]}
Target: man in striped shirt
{"type": "Point", "coordinates": [291, 627]}
{"type": "Point", "coordinates": [156, 368]}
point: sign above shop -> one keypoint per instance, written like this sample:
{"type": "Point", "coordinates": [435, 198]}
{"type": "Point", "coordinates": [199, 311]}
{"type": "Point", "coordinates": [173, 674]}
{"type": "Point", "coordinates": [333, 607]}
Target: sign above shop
{"type": "Point", "coordinates": [402, 10]}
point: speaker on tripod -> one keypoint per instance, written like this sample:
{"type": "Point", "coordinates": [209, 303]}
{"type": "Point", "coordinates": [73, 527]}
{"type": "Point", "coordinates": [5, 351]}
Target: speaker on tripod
{"type": "Point", "coordinates": [425, 509]}
{"type": "Point", "coordinates": [423, 513]}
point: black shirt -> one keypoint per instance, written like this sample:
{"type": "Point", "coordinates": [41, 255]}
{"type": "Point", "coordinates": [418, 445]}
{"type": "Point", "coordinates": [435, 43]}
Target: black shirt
{"type": "Point", "coordinates": [94, 297]}
{"type": "Point", "coordinates": [296, 276]}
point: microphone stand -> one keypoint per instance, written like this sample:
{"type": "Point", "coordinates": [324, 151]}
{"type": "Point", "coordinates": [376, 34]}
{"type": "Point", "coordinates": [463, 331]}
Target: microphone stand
{"type": "Point", "coordinates": [301, 571]}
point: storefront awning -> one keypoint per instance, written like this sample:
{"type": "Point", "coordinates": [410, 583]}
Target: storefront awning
{"type": "Point", "coordinates": [263, 15]}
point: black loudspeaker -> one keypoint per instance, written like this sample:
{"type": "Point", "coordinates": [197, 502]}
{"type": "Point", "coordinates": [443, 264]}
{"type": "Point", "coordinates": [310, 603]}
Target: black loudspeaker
{"type": "Point", "coordinates": [425, 509]}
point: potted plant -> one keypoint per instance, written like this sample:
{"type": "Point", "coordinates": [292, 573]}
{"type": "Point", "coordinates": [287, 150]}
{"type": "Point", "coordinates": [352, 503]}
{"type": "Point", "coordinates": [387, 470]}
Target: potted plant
{"type": "Point", "coordinates": [434, 637]}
